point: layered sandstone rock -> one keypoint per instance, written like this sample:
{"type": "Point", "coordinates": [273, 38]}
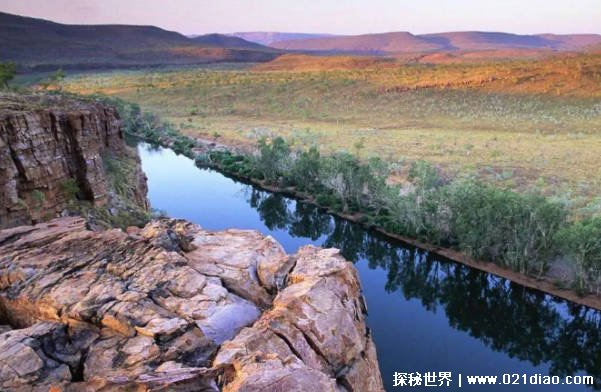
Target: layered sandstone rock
{"type": "Point", "coordinates": [174, 307]}
{"type": "Point", "coordinates": [53, 150]}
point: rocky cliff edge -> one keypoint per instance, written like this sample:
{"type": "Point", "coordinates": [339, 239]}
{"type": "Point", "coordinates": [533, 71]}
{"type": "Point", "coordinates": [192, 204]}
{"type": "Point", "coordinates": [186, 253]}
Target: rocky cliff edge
{"type": "Point", "coordinates": [174, 307]}
{"type": "Point", "coordinates": [59, 153]}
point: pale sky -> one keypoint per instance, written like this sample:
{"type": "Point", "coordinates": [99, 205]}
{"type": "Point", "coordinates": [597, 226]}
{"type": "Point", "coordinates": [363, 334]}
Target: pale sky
{"type": "Point", "coordinates": [325, 16]}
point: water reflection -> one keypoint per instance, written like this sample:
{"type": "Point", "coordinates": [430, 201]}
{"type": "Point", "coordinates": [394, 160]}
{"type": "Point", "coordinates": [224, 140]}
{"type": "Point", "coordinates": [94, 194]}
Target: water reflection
{"type": "Point", "coordinates": [508, 318]}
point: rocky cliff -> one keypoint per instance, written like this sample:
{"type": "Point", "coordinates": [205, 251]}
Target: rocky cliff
{"type": "Point", "coordinates": [174, 307]}
{"type": "Point", "coordinates": [56, 152]}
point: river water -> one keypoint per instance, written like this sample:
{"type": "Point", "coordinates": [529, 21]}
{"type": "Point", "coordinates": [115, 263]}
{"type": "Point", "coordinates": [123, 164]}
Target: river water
{"type": "Point", "coordinates": [426, 314]}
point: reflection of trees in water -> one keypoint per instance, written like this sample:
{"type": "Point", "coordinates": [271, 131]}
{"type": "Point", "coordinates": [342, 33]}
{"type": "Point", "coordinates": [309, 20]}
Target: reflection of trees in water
{"type": "Point", "coordinates": [308, 222]}
{"type": "Point", "coordinates": [507, 317]}
{"type": "Point", "coordinates": [273, 209]}
{"type": "Point", "coordinates": [150, 148]}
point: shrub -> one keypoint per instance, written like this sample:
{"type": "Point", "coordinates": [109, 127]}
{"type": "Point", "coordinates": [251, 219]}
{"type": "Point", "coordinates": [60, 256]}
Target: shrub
{"type": "Point", "coordinates": [274, 159]}
{"type": "Point", "coordinates": [183, 145]}
{"type": "Point", "coordinates": [495, 224]}
{"type": "Point", "coordinates": [38, 197]}
{"type": "Point", "coordinates": [515, 230]}
{"type": "Point", "coordinates": [305, 170]}
{"type": "Point", "coordinates": [419, 214]}
{"type": "Point", "coordinates": [377, 173]}
{"type": "Point", "coordinates": [7, 73]}
{"type": "Point", "coordinates": [582, 241]}
{"type": "Point", "coordinates": [344, 176]}
{"type": "Point", "coordinates": [117, 174]}
{"type": "Point", "coordinates": [202, 160]}
{"type": "Point", "coordinates": [69, 188]}
{"type": "Point", "coordinates": [424, 175]}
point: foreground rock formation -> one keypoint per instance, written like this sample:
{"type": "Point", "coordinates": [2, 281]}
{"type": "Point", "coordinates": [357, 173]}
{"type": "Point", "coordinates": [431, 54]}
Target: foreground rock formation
{"type": "Point", "coordinates": [54, 150]}
{"type": "Point", "coordinates": [174, 307]}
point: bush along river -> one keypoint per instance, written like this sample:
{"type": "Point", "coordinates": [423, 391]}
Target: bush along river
{"type": "Point", "coordinates": [426, 313]}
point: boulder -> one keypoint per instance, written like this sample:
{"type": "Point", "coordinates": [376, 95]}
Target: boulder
{"type": "Point", "coordinates": [176, 307]}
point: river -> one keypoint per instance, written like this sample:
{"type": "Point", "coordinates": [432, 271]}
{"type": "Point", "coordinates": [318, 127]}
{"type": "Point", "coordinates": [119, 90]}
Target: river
{"type": "Point", "coordinates": [427, 314]}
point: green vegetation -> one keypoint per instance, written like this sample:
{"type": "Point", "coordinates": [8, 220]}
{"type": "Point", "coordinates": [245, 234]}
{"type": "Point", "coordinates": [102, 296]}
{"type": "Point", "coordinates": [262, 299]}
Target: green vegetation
{"type": "Point", "coordinates": [38, 197]}
{"type": "Point", "coordinates": [273, 160]}
{"type": "Point", "coordinates": [125, 210]}
{"type": "Point", "coordinates": [524, 232]}
{"type": "Point", "coordinates": [516, 134]}
{"type": "Point", "coordinates": [582, 241]}
{"type": "Point", "coordinates": [149, 127]}
{"type": "Point", "coordinates": [489, 223]}
{"type": "Point", "coordinates": [7, 73]}
{"type": "Point", "coordinates": [119, 173]}
{"type": "Point", "coordinates": [519, 231]}
{"type": "Point", "coordinates": [69, 188]}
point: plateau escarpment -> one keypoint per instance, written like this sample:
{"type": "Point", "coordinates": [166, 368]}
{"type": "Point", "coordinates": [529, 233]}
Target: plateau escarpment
{"type": "Point", "coordinates": [59, 154]}
{"type": "Point", "coordinates": [175, 307]}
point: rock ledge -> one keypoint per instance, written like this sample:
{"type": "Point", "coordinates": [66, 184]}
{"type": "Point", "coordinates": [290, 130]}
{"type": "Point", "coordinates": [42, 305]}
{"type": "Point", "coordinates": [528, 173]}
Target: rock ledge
{"type": "Point", "coordinates": [175, 307]}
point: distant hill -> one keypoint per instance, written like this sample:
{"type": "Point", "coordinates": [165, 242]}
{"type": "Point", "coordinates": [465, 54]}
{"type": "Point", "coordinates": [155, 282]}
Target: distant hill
{"type": "Point", "coordinates": [267, 38]}
{"type": "Point", "coordinates": [476, 40]}
{"type": "Point", "coordinates": [573, 41]}
{"type": "Point", "coordinates": [373, 44]}
{"type": "Point", "coordinates": [40, 44]}
{"type": "Point", "coordinates": [228, 41]}
{"type": "Point", "coordinates": [403, 42]}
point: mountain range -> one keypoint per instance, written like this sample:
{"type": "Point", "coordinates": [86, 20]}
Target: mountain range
{"type": "Point", "coordinates": [228, 41]}
{"type": "Point", "coordinates": [405, 42]}
{"type": "Point", "coordinates": [269, 37]}
{"type": "Point", "coordinates": [36, 44]}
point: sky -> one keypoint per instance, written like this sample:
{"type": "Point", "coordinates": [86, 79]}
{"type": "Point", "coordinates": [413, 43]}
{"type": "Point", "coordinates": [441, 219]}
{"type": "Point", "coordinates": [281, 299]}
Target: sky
{"type": "Point", "coordinates": [325, 16]}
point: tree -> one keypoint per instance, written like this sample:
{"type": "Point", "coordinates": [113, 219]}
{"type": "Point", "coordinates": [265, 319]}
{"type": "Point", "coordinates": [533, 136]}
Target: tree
{"type": "Point", "coordinates": [305, 172]}
{"type": "Point", "coordinates": [7, 73]}
{"type": "Point", "coordinates": [274, 160]}
{"type": "Point", "coordinates": [347, 178]}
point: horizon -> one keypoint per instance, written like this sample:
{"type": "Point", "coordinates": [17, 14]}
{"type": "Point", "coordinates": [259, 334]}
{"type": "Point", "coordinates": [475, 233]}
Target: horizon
{"type": "Point", "coordinates": [270, 16]}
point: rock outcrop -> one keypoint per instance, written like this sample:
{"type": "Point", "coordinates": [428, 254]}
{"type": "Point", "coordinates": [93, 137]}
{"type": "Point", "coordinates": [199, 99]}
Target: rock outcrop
{"type": "Point", "coordinates": [54, 150]}
{"type": "Point", "coordinates": [174, 307]}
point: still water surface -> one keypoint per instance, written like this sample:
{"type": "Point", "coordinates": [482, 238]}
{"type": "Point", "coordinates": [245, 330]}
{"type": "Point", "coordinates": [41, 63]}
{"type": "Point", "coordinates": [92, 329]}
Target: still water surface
{"type": "Point", "coordinates": [426, 314]}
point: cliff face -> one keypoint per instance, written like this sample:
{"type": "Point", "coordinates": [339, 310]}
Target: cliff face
{"type": "Point", "coordinates": [175, 307]}
{"type": "Point", "coordinates": [53, 151]}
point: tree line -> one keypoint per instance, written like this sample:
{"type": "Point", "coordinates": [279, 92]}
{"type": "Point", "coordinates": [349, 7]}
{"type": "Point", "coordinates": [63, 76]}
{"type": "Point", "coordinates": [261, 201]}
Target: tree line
{"type": "Point", "coordinates": [524, 232]}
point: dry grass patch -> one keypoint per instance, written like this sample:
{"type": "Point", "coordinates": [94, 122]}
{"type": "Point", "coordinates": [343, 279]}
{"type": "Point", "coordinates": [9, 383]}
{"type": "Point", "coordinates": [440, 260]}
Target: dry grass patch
{"type": "Point", "coordinates": [491, 120]}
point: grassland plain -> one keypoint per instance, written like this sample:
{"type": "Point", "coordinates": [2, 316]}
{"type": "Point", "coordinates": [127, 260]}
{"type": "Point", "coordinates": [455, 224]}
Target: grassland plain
{"type": "Point", "coordinates": [525, 125]}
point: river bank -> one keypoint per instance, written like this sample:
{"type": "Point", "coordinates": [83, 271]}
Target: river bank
{"type": "Point", "coordinates": [544, 284]}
